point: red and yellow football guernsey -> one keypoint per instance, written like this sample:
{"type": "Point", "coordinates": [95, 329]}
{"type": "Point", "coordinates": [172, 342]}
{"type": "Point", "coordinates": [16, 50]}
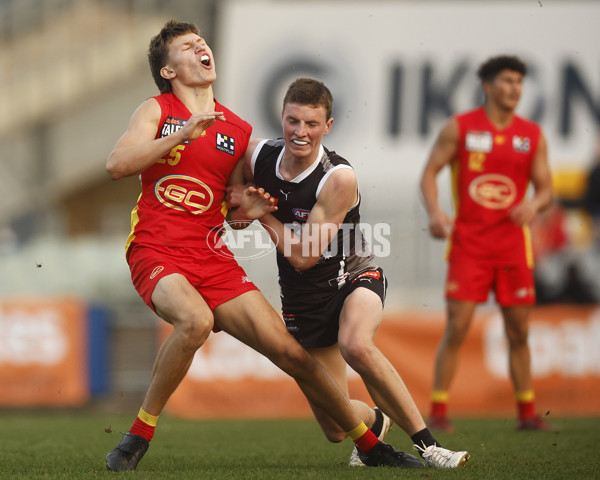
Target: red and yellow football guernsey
{"type": "Point", "coordinates": [182, 194]}
{"type": "Point", "coordinates": [490, 176]}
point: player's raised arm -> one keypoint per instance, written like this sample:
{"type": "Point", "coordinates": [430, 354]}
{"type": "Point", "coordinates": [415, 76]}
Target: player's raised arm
{"type": "Point", "coordinates": [338, 195]}
{"type": "Point", "coordinates": [442, 153]}
{"type": "Point", "coordinates": [138, 148]}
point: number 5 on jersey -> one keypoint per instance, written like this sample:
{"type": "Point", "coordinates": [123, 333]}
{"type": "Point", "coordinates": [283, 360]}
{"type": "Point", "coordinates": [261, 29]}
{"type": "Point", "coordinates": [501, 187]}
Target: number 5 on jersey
{"type": "Point", "coordinates": [174, 156]}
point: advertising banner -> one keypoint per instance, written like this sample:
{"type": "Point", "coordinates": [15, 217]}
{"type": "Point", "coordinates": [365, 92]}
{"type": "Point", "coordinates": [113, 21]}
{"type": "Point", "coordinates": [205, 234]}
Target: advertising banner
{"type": "Point", "coordinates": [43, 352]}
{"type": "Point", "coordinates": [397, 70]}
{"type": "Point", "coordinates": [229, 380]}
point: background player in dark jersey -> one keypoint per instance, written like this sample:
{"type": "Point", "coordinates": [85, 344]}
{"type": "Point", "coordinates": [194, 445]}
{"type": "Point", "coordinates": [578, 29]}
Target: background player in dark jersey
{"type": "Point", "coordinates": [185, 145]}
{"type": "Point", "coordinates": [332, 291]}
{"type": "Point", "coordinates": [494, 155]}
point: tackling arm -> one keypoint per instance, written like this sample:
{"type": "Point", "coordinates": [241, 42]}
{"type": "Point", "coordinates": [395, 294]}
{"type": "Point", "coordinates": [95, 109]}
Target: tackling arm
{"type": "Point", "coordinates": [138, 149]}
{"type": "Point", "coordinates": [244, 202]}
{"type": "Point", "coordinates": [338, 195]}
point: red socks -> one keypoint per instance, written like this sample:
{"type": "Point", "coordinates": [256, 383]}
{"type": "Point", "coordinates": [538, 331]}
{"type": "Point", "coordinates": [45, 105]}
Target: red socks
{"type": "Point", "coordinates": [525, 404]}
{"type": "Point", "coordinates": [439, 404]}
{"type": "Point", "coordinates": [144, 425]}
{"type": "Point", "coordinates": [363, 438]}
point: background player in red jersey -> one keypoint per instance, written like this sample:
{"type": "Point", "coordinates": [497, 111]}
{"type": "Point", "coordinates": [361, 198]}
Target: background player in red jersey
{"type": "Point", "coordinates": [494, 155]}
{"type": "Point", "coordinates": [185, 145]}
{"type": "Point", "coordinates": [332, 291]}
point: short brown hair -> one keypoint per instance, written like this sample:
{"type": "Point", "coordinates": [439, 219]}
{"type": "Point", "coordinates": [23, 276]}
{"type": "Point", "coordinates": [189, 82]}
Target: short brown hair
{"type": "Point", "coordinates": [307, 91]}
{"type": "Point", "coordinates": [492, 67]}
{"type": "Point", "coordinates": [158, 51]}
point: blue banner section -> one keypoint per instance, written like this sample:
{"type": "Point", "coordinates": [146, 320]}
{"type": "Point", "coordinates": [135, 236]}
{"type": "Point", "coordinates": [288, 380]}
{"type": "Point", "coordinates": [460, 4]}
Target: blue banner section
{"type": "Point", "coordinates": [98, 349]}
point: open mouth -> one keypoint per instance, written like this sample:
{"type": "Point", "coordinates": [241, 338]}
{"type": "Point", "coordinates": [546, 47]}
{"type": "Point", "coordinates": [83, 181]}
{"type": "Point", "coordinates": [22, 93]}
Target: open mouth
{"type": "Point", "coordinates": [205, 60]}
{"type": "Point", "coordinates": [300, 142]}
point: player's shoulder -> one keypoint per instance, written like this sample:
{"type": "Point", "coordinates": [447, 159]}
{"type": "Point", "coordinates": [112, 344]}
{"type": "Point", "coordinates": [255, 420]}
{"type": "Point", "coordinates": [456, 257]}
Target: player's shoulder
{"type": "Point", "coordinates": [522, 122]}
{"type": "Point", "coordinates": [337, 178]}
{"type": "Point", "coordinates": [336, 169]}
{"type": "Point", "coordinates": [148, 110]}
{"type": "Point", "coordinates": [263, 152]}
{"type": "Point", "coordinates": [233, 119]}
{"type": "Point", "coordinates": [469, 115]}
{"type": "Point", "coordinates": [267, 147]}
{"type": "Point", "coordinates": [273, 143]}
{"type": "Point", "coordinates": [163, 99]}
{"type": "Point", "coordinates": [331, 159]}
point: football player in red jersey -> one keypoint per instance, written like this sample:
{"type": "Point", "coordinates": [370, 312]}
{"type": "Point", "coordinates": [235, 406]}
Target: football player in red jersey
{"type": "Point", "coordinates": [494, 155]}
{"type": "Point", "coordinates": [185, 145]}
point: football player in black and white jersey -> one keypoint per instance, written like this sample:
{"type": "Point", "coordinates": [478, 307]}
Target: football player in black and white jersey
{"type": "Point", "coordinates": [332, 291]}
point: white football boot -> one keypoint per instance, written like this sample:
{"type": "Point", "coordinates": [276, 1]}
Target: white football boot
{"type": "Point", "coordinates": [438, 457]}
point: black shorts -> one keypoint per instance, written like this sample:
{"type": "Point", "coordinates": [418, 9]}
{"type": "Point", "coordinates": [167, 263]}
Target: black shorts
{"type": "Point", "coordinates": [313, 318]}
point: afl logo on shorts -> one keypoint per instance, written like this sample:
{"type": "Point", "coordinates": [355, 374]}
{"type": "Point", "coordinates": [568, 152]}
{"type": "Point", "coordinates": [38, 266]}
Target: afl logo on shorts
{"type": "Point", "coordinates": [183, 193]}
{"type": "Point", "coordinates": [493, 191]}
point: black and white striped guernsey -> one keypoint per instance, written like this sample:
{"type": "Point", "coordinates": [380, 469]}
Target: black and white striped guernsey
{"type": "Point", "coordinates": [347, 255]}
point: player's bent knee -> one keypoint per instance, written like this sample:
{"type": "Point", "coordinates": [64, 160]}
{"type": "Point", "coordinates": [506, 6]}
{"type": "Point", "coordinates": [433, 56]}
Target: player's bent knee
{"type": "Point", "coordinates": [295, 361]}
{"type": "Point", "coordinates": [357, 353]}
{"type": "Point", "coordinates": [335, 436]}
{"type": "Point", "coordinates": [194, 330]}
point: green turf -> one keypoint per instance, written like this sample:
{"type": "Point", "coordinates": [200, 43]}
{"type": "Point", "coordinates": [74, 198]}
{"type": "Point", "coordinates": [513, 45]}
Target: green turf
{"type": "Point", "coordinates": [62, 445]}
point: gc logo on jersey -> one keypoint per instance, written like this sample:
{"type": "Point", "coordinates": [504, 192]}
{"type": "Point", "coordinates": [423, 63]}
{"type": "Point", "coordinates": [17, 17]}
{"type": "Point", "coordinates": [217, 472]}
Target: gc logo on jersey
{"type": "Point", "coordinates": [493, 191]}
{"type": "Point", "coordinates": [225, 143]}
{"type": "Point", "coordinates": [183, 193]}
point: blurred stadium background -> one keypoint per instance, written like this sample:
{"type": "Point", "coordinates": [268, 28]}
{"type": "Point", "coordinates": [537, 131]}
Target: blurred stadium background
{"type": "Point", "coordinates": [73, 331]}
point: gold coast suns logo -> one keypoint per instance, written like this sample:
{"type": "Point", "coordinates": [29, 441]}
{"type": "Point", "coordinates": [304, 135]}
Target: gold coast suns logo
{"type": "Point", "coordinates": [184, 193]}
{"type": "Point", "coordinates": [493, 191]}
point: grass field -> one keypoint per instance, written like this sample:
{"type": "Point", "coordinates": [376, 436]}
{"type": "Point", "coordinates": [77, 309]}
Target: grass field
{"type": "Point", "coordinates": [54, 445]}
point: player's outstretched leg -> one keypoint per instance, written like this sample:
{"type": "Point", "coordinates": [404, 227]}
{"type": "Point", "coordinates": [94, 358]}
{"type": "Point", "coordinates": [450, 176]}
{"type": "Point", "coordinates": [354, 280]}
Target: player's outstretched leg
{"type": "Point", "coordinates": [380, 428]}
{"type": "Point", "coordinates": [384, 455]}
{"type": "Point", "coordinates": [439, 457]}
{"type": "Point", "coordinates": [127, 454]}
